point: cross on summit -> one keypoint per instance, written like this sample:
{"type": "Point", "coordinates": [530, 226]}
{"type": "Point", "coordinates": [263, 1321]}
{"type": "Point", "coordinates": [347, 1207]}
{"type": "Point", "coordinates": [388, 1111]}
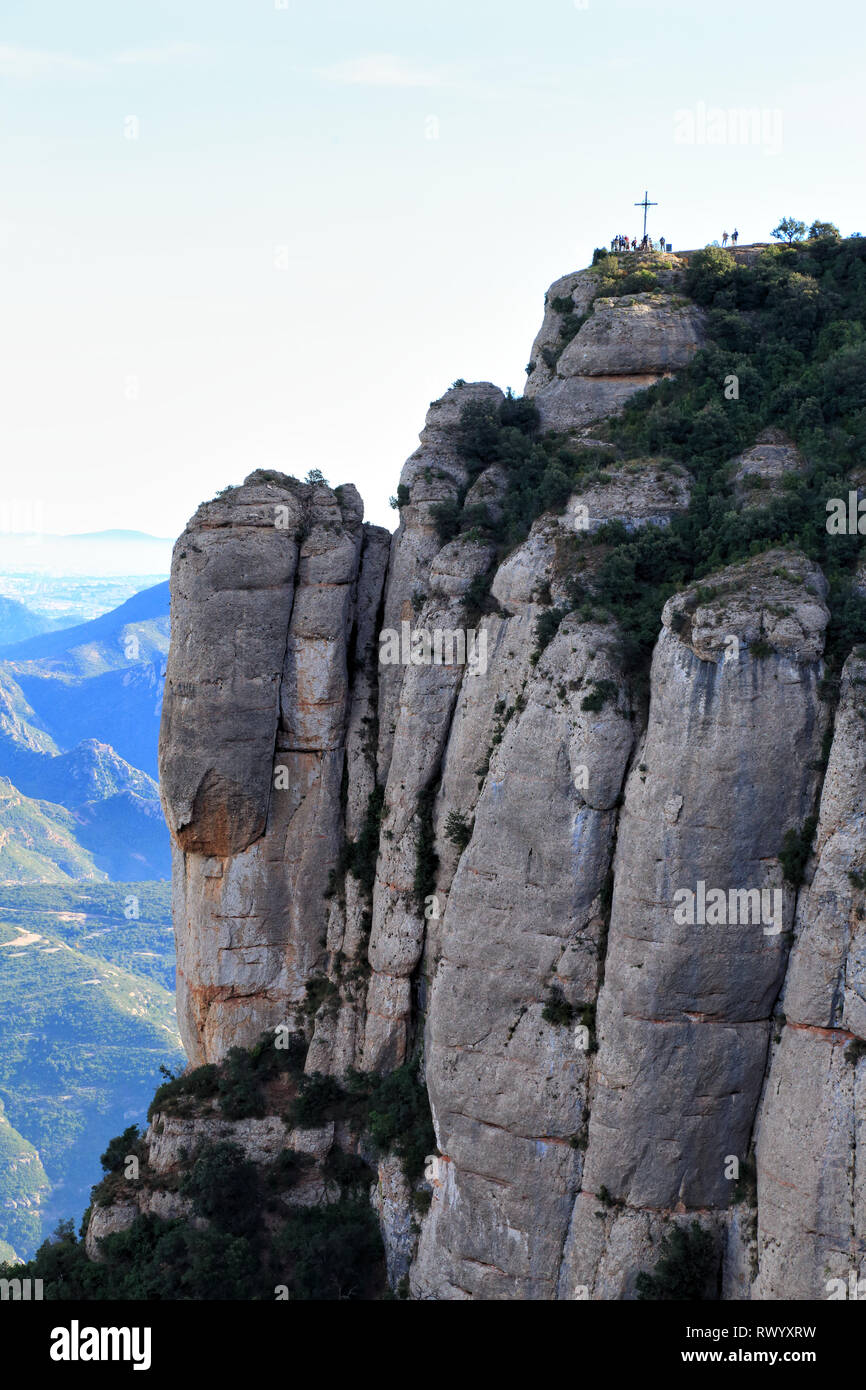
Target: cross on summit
{"type": "Point", "coordinates": [645, 204]}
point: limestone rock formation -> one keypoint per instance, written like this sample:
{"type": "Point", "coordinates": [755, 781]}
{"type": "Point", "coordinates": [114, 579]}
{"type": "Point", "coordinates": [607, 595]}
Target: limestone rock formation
{"type": "Point", "coordinates": [758, 474]}
{"type": "Point", "coordinates": [572, 294]}
{"type": "Point", "coordinates": [524, 917]}
{"type": "Point", "coordinates": [634, 335]}
{"type": "Point", "coordinates": [684, 1015]}
{"type": "Point", "coordinates": [565, 902]}
{"type": "Point", "coordinates": [625, 344]}
{"type": "Point", "coordinates": [265, 600]}
{"type": "Point", "coordinates": [641, 493]}
{"type": "Point", "coordinates": [811, 1193]}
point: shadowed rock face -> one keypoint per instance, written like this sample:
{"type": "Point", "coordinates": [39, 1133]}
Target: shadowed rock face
{"type": "Point", "coordinates": [527, 842]}
{"type": "Point", "coordinates": [643, 493]}
{"type": "Point", "coordinates": [683, 1019]}
{"type": "Point", "coordinates": [433, 474]}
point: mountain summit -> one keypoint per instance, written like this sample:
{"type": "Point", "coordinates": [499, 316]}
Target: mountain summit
{"type": "Point", "coordinates": [595, 899]}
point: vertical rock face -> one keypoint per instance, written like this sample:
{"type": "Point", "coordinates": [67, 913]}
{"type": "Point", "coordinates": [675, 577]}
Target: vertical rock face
{"type": "Point", "coordinates": [811, 1176]}
{"type": "Point", "coordinates": [338, 1036]}
{"type": "Point", "coordinates": [425, 708]}
{"type": "Point", "coordinates": [232, 588]}
{"type": "Point", "coordinates": [507, 1088]}
{"type": "Point", "coordinates": [435, 473]}
{"type": "Point", "coordinates": [724, 770]}
{"type": "Point", "coordinates": [568, 908]}
{"type": "Point", "coordinates": [265, 585]}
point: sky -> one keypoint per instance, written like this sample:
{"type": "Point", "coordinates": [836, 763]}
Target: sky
{"type": "Point", "coordinates": [267, 233]}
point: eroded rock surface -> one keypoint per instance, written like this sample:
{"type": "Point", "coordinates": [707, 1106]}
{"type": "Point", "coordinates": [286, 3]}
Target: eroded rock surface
{"type": "Point", "coordinates": [812, 1123]}
{"type": "Point", "coordinates": [265, 586]}
{"type": "Point", "coordinates": [507, 1088]}
{"type": "Point", "coordinates": [483, 863]}
{"type": "Point", "coordinates": [725, 769]}
{"type": "Point", "coordinates": [758, 474]}
{"type": "Point", "coordinates": [626, 344]}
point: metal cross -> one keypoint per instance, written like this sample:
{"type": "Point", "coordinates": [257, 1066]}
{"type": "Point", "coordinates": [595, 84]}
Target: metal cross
{"type": "Point", "coordinates": [645, 204]}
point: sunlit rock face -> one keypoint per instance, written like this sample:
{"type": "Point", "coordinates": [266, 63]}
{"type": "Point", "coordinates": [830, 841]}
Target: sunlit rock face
{"type": "Point", "coordinates": [270, 585]}
{"type": "Point", "coordinates": [625, 345]}
{"type": "Point", "coordinates": [561, 897]}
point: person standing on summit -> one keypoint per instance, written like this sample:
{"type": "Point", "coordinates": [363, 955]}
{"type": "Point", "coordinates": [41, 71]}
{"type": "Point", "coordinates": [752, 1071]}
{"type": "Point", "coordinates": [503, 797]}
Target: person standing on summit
{"type": "Point", "coordinates": [724, 238]}
{"type": "Point", "coordinates": [734, 237]}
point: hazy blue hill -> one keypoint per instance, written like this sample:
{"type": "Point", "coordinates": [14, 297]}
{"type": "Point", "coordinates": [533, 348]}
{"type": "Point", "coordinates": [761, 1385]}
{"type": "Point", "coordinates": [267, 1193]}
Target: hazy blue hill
{"type": "Point", "coordinates": [84, 1025]}
{"type": "Point", "coordinates": [68, 600]}
{"type": "Point", "coordinates": [91, 771]}
{"type": "Point", "coordinates": [88, 687]}
{"type": "Point", "coordinates": [116, 805]}
{"type": "Point", "coordinates": [100, 633]}
{"type": "Point", "coordinates": [39, 841]}
{"type": "Point", "coordinates": [21, 730]}
{"type": "Point", "coordinates": [86, 966]}
{"type": "Point", "coordinates": [127, 836]}
{"type": "Point", "coordinates": [121, 708]}
{"type": "Point", "coordinates": [99, 680]}
{"type": "Point", "coordinates": [116, 810]}
{"type": "Point", "coordinates": [18, 622]}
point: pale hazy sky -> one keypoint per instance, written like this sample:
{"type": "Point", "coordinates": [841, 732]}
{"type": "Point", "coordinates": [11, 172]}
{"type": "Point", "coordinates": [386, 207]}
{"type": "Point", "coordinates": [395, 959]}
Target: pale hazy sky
{"type": "Point", "coordinates": [240, 233]}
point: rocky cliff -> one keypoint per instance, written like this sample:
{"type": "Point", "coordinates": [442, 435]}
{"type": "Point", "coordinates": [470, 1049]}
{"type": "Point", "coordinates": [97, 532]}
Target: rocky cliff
{"type": "Point", "coordinates": [434, 810]}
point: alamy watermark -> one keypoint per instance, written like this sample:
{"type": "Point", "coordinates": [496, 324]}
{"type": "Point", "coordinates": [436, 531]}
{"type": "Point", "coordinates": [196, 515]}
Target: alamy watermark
{"type": "Point", "coordinates": [77, 1343]}
{"type": "Point", "coordinates": [422, 646]}
{"type": "Point", "coordinates": [846, 518]}
{"type": "Point", "coordinates": [21, 1290]}
{"type": "Point", "coordinates": [854, 1288]}
{"type": "Point", "coordinates": [714, 907]}
{"type": "Point", "coordinates": [733, 125]}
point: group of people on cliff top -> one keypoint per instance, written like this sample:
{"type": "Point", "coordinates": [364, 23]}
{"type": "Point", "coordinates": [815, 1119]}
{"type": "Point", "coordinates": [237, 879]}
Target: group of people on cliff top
{"type": "Point", "coordinates": [624, 243]}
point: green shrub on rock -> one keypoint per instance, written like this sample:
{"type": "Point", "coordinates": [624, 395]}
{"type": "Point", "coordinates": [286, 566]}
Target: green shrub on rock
{"type": "Point", "coordinates": [687, 1267]}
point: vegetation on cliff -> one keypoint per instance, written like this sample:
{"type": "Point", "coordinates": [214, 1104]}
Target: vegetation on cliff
{"type": "Point", "coordinates": [686, 1269]}
{"type": "Point", "coordinates": [791, 330]}
{"type": "Point", "coordinates": [252, 1243]}
{"type": "Point", "coordinates": [787, 349]}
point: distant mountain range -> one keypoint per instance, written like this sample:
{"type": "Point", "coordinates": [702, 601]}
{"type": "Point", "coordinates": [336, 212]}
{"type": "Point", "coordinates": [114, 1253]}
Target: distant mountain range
{"type": "Point", "coordinates": [79, 720]}
{"type": "Point", "coordinates": [38, 841]}
{"type": "Point", "coordinates": [18, 622]}
{"type": "Point", "coordinates": [90, 553]}
{"type": "Point", "coordinates": [99, 680]}
{"type": "Point", "coordinates": [86, 965]}
{"type": "Point", "coordinates": [107, 632]}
